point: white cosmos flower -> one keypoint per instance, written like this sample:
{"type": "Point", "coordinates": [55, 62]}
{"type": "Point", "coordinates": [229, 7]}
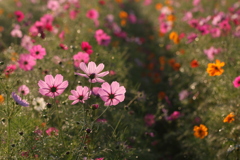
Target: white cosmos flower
{"type": "Point", "coordinates": [39, 104]}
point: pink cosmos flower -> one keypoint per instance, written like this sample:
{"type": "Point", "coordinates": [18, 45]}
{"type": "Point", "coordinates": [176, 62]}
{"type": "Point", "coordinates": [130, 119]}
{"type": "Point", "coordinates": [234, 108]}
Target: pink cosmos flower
{"type": "Point", "coordinates": [62, 35]}
{"type": "Point", "coordinates": [19, 100]}
{"type": "Point", "coordinates": [38, 52]}
{"type": "Point", "coordinates": [26, 42]}
{"type": "Point", "coordinates": [52, 87]}
{"type": "Point", "coordinates": [47, 19]}
{"type": "Point", "coordinates": [63, 46]}
{"type": "Point", "coordinates": [86, 47]}
{"type": "Point", "coordinates": [191, 37]}
{"type": "Point", "coordinates": [24, 90]}
{"type": "Point", "coordinates": [149, 120]}
{"type": "Point", "coordinates": [10, 69]}
{"type": "Point", "coordinates": [19, 15]}
{"type": "Point", "coordinates": [196, 2]}
{"type": "Point", "coordinates": [95, 91]}
{"type": "Point", "coordinates": [92, 14]}
{"type": "Point", "coordinates": [224, 25]}
{"type": "Point", "coordinates": [73, 14]}
{"type": "Point", "coordinates": [147, 2]}
{"type": "Point", "coordinates": [26, 62]}
{"type": "Point", "coordinates": [165, 27]}
{"type": "Point", "coordinates": [52, 131]}
{"type": "Point", "coordinates": [53, 5]}
{"type": "Point", "coordinates": [99, 158]}
{"type": "Point", "coordinates": [236, 82]}
{"type": "Point", "coordinates": [80, 94]}
{"type": "Point", "coordinates": [92, 72]}
{"type": "Point", "coordinates": [211, 52]}
{"type": "Point", "coordinates": [102, 38]}
{"type": "Point", "coordinates": [183, 95]}
{"type": "Point", "coordinates": [80, 57]}
{"type": "Point", "coordinates": [215, 32]}
{"type": "Point", "coordinates": [112, 94]}
{"type": "Point", "coordinates": [132, 18]}
{"type": "Point", "coordinates": [174, 115]}
{"type": "Point", "coordinates": [187, 16]}
{"type": "Point", "coordinates": [16, 33]}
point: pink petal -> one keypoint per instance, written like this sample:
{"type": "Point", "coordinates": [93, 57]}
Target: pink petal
{"type": "Point", "coordinates": [99, 68]}
{"type": "Point", "coordinates": [120, 98]}
{"type": "Point", "coordinates": [49, 80]}
{"type": "Point", "coordinates": [63, 85]}
{"type": "Point", "coordinates": [115, 101]}
{"type": "Point", "coordinates": [42, 84]}
{"type": "Point", "coordinates": [114, 86]}
{"type": "Point", "coordinates": [83, 75]}
{"type": "Point", "coordinates": [103, 74]}
{"type": "Point", "coordinates": [91, 67]}
{"type": "Point", "coordinates": [121, 90]}
{"type": "Point", "coordinates": [74, 102]}
{"type": "Point", "coordinates": [71, 97]}
{"type": "Point", "coordinates": [75, 93]}
{"type": "Point", "coordinates": [100, 80]}
{"type": "Point", "coordinates": [83, 67]}
{"type": "Point", "coordinates": [58, 80]}
{"type": "Point", "coordinates": [106, 87]}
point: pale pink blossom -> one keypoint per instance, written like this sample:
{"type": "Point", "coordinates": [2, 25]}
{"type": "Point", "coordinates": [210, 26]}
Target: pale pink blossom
{"type": "Point", "coordinates": [52, 87]}
{"type": "Point", "coordinates": [92, 72]}
{"type": "Point", "coordinates": [112, 94]}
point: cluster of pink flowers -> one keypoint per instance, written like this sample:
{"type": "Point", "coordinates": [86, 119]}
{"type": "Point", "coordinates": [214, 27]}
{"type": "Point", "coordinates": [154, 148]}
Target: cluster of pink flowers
{"type": "Point", "coordinates": [102, 38]}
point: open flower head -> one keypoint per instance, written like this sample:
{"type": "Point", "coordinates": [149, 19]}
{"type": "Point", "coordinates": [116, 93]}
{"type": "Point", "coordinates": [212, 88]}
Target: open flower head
{"type": "Point", "coordinates": [236, 82]}
{"type": "Point", "coordinates": [112, 94]}
{"type": "Point", "coordinates": [92, 72]}
{"type": "Point", "coordinates": [215, 69]}
{"type": "Point", "coordinates": [80, 94]}
{"type": "Point", "coordinates": [19, 100]}
{"type": "Point", "coordinates": [229, 118]}
{"type": "Point", "coordinates": [52, 87]}
{"type": "Point", "coordinates": [200, 131]}
{"type": "Point", "coordinates": [39, 104]}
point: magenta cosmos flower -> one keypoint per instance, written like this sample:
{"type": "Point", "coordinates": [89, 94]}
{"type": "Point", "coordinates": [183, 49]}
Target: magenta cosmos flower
{"type": "Point", "coordinates": [80, 57]}
{"type": "Point", "coordinates": [26, 62]}
{"type": "Point", "coordinates": [19, 100]}
{"type": "Point", "coordinates": [19, 15]}
{"type": "Point", "coordinates": [86, 47]}
{"type": "Point", "coordinates": [80, 94]}
{"type": "Point", "coordinates": [52, 87]}
{"type": "Point", "coordinates": [149, 120]}
{"type": "Point", "coordinates": [236, 82]}
{"type": "Point", "coordinates": [112, 94]}
{"type": "Point", "coordinates": [102, 38]}
{"type": "Point", "coordinates": [92, 14]}
{"type": "Point", "coordinates": [24, 90]}
{"type": "Point", "coordinates": [92, 72]}
{"type": "Point", "coordinates": [52, 131]}
{"type": "Point", "coordinates": [38, 52]}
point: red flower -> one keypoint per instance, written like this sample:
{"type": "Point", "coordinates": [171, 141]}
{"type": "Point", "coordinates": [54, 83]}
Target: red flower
{"type": "Point", "coordinates": [194, 63]}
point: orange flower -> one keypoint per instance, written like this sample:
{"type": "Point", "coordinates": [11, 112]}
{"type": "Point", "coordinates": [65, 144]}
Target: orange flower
{"type": "Point", "coordinates": [150, 66]}
{"type": "Point", "coordinates": [176, 66]}
{"type": "Point", "coordinates": [1, 28]}
{"type": "Point", "coordinates": [118, 1]}
{"type": "Point", "coordinates": [229, 118]}
{"type": "Point", "coordinates": [123, 22]}
{"type": "Point", "coordinates": [158, 6]}
{"type": "Point", "coordinates": [200, 131]}
{"type": "Point", "coordinates": [171, 18]}
{"type": "Point", "coordinates": [1, 11]}
{"type": "Point", "coordinates": [194, 63]}
{"type": "Point", "coordinates": [171, 61]}
{"type": "Point", "coordinates": [161, 95]}
{"type": "Point", "coordinates": [214, 69]}
{"type": "Point", "coordinates": [1, 99]}
{"type": "Point", "coordinates": [123, 15]}
{"type": "Point", "coordinates": [174, 37]}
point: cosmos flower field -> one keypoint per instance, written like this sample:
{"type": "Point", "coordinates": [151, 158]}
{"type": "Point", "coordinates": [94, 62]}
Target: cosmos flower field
{"type": "Point", "coordinates": [119, 79]}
